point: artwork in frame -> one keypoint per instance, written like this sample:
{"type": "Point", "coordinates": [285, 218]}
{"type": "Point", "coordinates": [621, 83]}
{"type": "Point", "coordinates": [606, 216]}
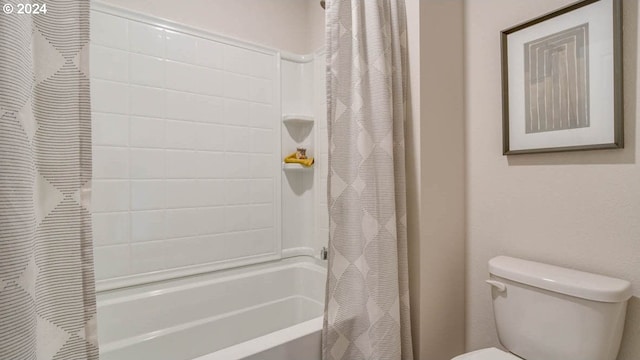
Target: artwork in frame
{"type": "Point", "coordinates": [562, 80]}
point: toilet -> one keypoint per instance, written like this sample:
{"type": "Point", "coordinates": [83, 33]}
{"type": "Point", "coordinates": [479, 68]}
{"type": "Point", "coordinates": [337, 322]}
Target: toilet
{"type": "Point", "coordinates": [545, 312]}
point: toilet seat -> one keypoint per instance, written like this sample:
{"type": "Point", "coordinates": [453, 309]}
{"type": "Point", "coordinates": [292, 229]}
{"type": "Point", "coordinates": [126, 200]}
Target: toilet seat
{"type": "Point", "coordinates": [487, 354]}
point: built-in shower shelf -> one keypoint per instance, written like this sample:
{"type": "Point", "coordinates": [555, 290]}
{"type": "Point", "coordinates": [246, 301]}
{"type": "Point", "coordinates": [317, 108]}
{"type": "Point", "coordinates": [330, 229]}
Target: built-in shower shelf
{"type": "Point", "coordinates": [296, 167]}
{"type": "Point", "coordinates": [298, 119]}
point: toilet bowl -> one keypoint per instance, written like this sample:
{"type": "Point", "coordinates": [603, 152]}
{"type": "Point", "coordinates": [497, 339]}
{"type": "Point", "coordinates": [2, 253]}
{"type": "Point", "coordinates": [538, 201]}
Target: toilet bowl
{"type": "Point", "coordinates": [487, 354]}
{"type": "Point", "coordinates": [546, 312]}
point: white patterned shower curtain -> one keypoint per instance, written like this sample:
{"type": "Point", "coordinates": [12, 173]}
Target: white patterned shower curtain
{"type": "Point", "coordinates": [367, 304]}
{"type": "Point", "coordinates": [47, 297]}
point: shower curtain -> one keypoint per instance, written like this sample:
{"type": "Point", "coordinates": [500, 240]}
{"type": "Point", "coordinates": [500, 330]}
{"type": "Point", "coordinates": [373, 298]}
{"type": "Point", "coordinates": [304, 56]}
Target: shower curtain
{"type": "Point", "coordinates": [47, 297]}
{"type": "Point", "coordinates": [367, 304]}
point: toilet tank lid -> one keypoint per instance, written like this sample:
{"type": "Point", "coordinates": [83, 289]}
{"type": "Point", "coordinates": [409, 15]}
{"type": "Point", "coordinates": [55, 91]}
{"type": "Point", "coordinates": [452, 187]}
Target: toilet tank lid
{"type": "Point", "coordinates": [561, 280]}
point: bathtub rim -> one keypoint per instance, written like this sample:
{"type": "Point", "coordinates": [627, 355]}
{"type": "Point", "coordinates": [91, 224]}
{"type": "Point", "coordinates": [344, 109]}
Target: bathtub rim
{"type": "Point", "coordinates": [266, 342]}
{"type": "Point", "coordinates": [117, 295]}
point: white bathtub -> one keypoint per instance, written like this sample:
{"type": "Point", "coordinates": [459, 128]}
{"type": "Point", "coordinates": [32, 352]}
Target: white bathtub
{"type": "Point", "coordinates": [262, 312]}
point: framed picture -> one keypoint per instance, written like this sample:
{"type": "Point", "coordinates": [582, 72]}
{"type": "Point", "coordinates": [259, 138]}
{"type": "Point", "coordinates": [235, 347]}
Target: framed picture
{"type": "Point", "coordinates": [562, 80]}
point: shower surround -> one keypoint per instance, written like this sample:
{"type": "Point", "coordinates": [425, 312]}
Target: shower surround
{"type": "Point", "coordinates": [191, 201]}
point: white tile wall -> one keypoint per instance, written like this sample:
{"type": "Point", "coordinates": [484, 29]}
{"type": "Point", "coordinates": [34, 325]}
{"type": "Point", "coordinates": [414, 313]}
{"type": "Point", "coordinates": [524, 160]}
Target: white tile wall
{"type": "Point", "coordinates": [146, 101]}
{"type": "Point", "coordinates": [181, 47]}
{"type": "Point", "coordinates": [110, 129]}
{"type": "Point", "coordinates": [112, 261]}
{"type": "Point", "coordinates": [186, 155]}
{"type": "Point", "coordinates": [209, 54]}
{"type": "Point", "coordinates": [147, 194]}
{"type": "Point", "coordinates": [110, 31]}
{"type": "Point", "coordinates": [146, 39]}
{"type": "Point", "coordinates": [110, 162]}
{"type": "Point", "coordinates": [110, 195]}
{"type": "Point", "coordinates": [111, 228]}
{"type": "Point", "coordinates": [147, 132]}
{"type": "Point", "coordinates": [146, 70]}
{"type": "Point", "coordinates": [147, 225]}
{"type": "Point", "coordinates": [115, 66]}
{"type": "Point", "coordinates": [148, 163]}
{"type": "Point", "coordinates": [109, 96]}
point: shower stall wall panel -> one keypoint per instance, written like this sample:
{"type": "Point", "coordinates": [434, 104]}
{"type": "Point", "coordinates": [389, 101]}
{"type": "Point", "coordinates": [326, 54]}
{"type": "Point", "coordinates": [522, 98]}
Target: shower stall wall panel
{"type": "Point", "coordinates": [304, 193]}
{"type": "Point", "coordinates": [186, 151]}
{"type": "Point", "coordinates": [297, 185]}
{"type": "Point", "coordinates": [322, 151]}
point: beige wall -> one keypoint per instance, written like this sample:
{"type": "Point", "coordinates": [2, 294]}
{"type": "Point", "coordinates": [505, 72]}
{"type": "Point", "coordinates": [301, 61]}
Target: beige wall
{"type": "Point", "coordinates": [435, 150]}
{"type": "Point", "coordinates": [291, 25]}
{"type": "Point", "coordinates": [442, 180]}
{"type": "Point", "coordinates": [579, 210]}
{"type": "Point", "coordinates": [315, 25]}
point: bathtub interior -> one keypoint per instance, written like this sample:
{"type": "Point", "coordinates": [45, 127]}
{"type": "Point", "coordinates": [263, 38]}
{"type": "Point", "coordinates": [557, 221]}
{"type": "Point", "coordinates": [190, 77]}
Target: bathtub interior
{"type": "Point", "coordinates": [189, 318]}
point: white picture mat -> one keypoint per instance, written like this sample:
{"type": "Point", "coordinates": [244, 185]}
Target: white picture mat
{"type": "Point", "coordinates": [601, 80]}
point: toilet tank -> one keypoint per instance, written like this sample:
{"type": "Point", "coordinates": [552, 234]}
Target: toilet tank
{"type": "Point", "coordinates": [545, 312]}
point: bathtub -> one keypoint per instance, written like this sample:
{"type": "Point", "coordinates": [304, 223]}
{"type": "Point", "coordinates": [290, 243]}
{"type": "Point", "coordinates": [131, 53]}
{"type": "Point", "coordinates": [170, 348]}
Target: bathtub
{"type": "Point", "coordinates": [261, 312]}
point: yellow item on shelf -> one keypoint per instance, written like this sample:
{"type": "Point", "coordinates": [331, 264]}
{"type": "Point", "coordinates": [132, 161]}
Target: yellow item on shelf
{"type": "Point", "coordinates": [292, 159]}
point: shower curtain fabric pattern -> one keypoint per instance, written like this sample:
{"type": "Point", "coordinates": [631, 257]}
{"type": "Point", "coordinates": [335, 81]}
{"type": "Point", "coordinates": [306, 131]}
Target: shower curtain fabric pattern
{"type": "Point", "coordinates": [47, 296]}
{"type": "Point", "coordinates": [367, 304]}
